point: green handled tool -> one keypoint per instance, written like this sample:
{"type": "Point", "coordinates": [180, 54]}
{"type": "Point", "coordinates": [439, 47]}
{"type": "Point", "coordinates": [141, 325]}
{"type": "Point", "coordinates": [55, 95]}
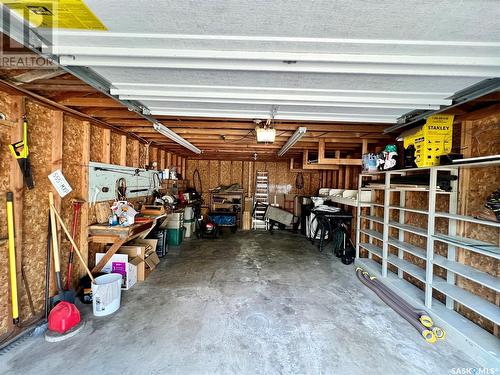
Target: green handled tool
{"type": "Point", "coordinates": [21, 152]}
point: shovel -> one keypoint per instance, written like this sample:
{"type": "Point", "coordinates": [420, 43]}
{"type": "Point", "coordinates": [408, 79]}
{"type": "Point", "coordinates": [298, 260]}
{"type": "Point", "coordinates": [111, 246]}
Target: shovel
{"type": "Point", "coordinates": [63, 295]}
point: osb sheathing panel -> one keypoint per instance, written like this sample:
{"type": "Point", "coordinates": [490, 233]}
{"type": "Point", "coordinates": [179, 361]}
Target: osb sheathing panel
{"type": "Point", "coordinates": [96, 144]}
{"type": "Point", "coordinates": [484, 140]}
{"type": "Point", "coordinates": [74, 132]}
{"type": "Point", "coordinates": [217, 172]}
{"type": "Point", "coordinates": [130, 153]}
{"type": "Point", "coordinates": [35, 205]}
{"type": "Point", "coordinates": [225, 173]}
{"type": "Point", "coordinates": [5, 159]}
{"type": "Point", "coordinates": [115, 148]}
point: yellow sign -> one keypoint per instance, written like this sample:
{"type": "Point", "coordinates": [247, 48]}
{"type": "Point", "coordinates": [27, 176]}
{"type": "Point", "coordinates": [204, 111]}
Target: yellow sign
{"type": "Point", "coordinates": [56, 14]}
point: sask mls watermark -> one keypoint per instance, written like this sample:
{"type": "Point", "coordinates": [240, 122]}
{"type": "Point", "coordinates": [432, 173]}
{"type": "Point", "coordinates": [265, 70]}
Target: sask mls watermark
{"type": "Point", "coordinates": [10, 60]}
{"type": "Point", "coordinates": [473, 371]}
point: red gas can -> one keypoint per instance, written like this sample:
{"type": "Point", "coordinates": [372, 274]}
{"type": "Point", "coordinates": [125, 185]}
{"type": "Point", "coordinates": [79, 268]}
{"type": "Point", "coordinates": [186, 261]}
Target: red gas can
{"type": "Point", "coordinates": [63, 317]}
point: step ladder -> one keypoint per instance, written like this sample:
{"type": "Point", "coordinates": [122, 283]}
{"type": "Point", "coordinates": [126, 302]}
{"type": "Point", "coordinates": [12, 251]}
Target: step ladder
{"type": "Point", "coordinates": [261, 196]}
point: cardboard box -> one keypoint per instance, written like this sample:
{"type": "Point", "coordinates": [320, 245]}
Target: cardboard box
{"type": "Point", "coordinates": [142, 249]}
{"type": "Point", "coordinates": [431, 140]}
{"type": "Point", "coordinates": [119, 263]}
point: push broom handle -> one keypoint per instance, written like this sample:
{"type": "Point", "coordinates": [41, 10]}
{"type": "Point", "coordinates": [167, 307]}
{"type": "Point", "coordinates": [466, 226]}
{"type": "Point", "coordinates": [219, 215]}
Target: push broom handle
{"type": "Point", "coordinates": [77, 250]}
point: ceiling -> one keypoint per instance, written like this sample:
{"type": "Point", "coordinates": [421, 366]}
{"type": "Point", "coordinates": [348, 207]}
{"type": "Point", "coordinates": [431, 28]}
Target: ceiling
{"type": "Point", "coordinates": [319, 62]}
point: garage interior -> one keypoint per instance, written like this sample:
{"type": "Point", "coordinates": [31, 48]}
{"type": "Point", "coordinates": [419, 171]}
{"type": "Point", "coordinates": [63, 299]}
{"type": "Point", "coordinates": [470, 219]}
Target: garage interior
{"type": "Point", "coordinates": [281, 187]}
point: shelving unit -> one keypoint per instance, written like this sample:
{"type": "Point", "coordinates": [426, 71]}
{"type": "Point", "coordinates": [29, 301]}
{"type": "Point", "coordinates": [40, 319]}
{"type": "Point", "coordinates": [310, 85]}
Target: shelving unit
{"type": "Point", "coordinates": [227, 202]}
{"type": "Point", "coordinates": [380, 257]}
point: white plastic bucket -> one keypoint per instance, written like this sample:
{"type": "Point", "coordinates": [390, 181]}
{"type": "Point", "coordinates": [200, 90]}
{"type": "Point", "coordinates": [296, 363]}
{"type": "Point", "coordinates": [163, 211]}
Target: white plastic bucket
{"type": "Point", "coordinates": [106, 294]}
{"type": "Point", "coordinates": [188, 213]}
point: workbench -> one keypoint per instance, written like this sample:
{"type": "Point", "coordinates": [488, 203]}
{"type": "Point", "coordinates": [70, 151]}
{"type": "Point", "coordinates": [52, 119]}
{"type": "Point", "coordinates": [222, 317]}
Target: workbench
{"type": "Point", "coordinates": [117, 236]}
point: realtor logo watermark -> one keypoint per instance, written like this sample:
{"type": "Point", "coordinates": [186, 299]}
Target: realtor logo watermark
{"type": "Point", "coordinates": [473, 371]}
{"type": "Point", "coordinates": [24, 61]}
{"type": "Point", "coordinates": [14, 54]}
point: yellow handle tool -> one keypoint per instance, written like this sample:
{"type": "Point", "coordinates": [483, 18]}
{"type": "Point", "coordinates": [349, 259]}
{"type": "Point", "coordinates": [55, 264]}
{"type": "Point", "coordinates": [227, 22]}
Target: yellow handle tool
{"type": "Point", "coordinates": [12, 257]}
{"type": "Point", "coordinates": [20, 151]}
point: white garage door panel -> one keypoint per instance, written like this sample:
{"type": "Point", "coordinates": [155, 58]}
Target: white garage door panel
{"type": "Point", "coordinates": [152, 77]}
{"type": "Point", "coordinates": [305, 18]}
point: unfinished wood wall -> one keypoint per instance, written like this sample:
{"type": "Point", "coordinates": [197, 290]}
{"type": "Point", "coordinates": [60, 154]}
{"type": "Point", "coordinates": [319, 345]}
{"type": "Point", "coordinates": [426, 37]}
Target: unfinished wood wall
{"type": "Point", "coordinates": [225, 172]}
{"type": "Point", "coordinates": [346, 177]}
{"type": "Point", "coordinates": [56, 141]}
{"type": "Point", "coordinates": [480, 137]}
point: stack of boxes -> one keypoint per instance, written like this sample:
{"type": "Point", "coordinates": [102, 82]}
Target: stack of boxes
{"type": "Point", "coordinates": [134, 261]}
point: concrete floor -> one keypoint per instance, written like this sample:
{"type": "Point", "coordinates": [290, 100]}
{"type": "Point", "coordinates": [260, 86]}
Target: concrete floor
{"type": "Point", "coordinates": [248, 303]}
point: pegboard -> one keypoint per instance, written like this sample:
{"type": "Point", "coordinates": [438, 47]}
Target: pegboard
{"type": "Point", "coordinates": [106, 175]}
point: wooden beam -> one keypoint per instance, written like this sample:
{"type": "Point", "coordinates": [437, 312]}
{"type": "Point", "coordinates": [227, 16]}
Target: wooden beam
{"type": "Point", "coordinates": [83, 193]}
{"type": "Point", "coordinates": [106, 146]}
{"type": "Point", "coordinates": [92, 102]}
{"type": "Point", "coordinates": [60, 88]}
{"type": "Point", "coordinates": [153, 156]}
{"type": "Point", "coordinates": [323, 160]}
{"type": "Point", "coordinates": [36, 74]}
{"type": "Point", "coordinates": [57, 150]}
{"type": "Point", "coordinates": [123, 150]}
{"type": "Point", "coordinates": [162, 160]}
{"type": "Point", "coordinates": [306, 165]}
{"type": "Point", "coordinates": [135, 153]}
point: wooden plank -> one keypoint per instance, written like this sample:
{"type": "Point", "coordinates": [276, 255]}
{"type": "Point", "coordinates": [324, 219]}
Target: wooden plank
{"type": "Point", "coordinates": [183, 169]}
{"type": "Point", "coordinates": [92, 102]}
{"type": "Point", "coordinates": [153, 156]}
{"type": "Point", "coordinates": [83, 192]}
{"type": "Point", "coordinates": [321, 150]}
{"type": "Point", "coordinates": [123, 150]}
{"type": "Point", "coordinates": [169, 159]}
{"type": "Point", "coordinates": [364, 147]}
{"type": "Point", "coordinates": [106, 146]}
{"type": "Point", "coordinates": [162, 160]}
{"type": "Point", "coordinates": [135, 153]}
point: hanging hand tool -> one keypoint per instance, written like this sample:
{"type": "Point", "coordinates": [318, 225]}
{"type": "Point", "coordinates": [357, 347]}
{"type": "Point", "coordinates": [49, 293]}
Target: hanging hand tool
{"type": "Point", "coordinates": [12, 257]}
{"type": "Point", "coordinates": [77, 205]}
{"type": "Point", "coordinates": [21, 152]}
{"type": "Point", "coordinates": [64, 295]}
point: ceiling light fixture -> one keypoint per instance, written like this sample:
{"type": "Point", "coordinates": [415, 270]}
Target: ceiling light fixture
{"type": "Point", "coordinates": [266, 133]}
{"type": "Point", "coordinates": [175, 137]}
{"type": "Point", "coordinates": [299, 133]}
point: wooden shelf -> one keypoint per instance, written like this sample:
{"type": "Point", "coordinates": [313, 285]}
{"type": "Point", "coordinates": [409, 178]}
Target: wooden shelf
{"type": "Point", "coordinates": [372, 249]}
{"type": "Point", "coordinates": [408, 228]}
{"type": "Point", "coordinates": [375, 219]}
{"type": "Point", "coordinates": [472, 301]}
{"type": "Point", "coordinates": [469, 219]}
{"type": "Point", "coordinates": [477, 246]}
{"type": "Point", "coordinates": [470, 273]}
{"type": "Point", "coordinates": [408, 247]}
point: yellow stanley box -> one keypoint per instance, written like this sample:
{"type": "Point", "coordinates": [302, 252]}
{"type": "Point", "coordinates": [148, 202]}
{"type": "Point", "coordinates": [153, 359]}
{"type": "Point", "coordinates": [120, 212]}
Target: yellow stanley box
{"type": "Point", "coordinates": [431, 140]}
